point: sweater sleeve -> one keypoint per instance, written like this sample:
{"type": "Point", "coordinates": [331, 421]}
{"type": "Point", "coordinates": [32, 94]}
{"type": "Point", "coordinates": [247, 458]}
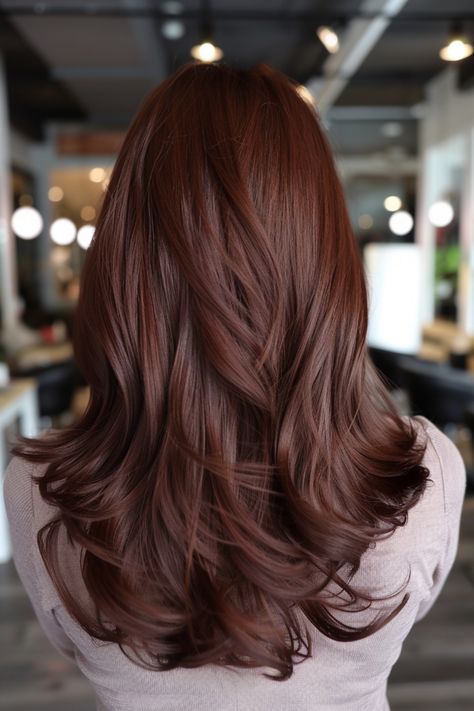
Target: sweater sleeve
{"type": "Point", "coordinates": [17, 490]}
{"type": "Point", "coordinates": [452, 476]}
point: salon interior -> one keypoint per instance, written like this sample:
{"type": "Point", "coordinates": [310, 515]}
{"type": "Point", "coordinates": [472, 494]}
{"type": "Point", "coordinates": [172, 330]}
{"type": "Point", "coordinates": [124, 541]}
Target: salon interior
{"type": "Point", "coordinates": [393, 83]}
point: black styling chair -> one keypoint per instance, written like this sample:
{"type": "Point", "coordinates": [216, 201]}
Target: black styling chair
{"type": "Point", "coordinates": [443, 394]}
{"type": "Point", "coordinates": [56, 385]}
{"type": "Point", "coordinates": [469, 422]}
{"type": "Point", "coordinates": [388, 365]}
{"type": "Point", "coordinates": [437, 391]}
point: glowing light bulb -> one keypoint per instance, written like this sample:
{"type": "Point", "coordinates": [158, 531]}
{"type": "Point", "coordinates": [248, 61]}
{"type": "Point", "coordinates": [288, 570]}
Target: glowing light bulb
{"type": "Point", "coordinates": [392, 203]}
{"type": "Point", "coordinates": [305, 94]}
{"type": "Point", "coordinates": [88, 212]}
{"type": "Point", "coordinates": [26, 222]}
{"type": "Point", "coordinates": [62, 231]}
{"type": "Point", "coordinates": [441, 213]}
{"type": "Point", "coordinates": [329, 39]}
{"type": "Point", "coordinates": [456, 49]}
{"type": "Point", "coordinates": [400, 223]}
{"type": "Point", "coordinates": [365, 221]}
{"type": "Point", "coordinates": [55, 193]}
{"type": "Point", "coordinates": [97, 175]}
{"type": "Point", "coordinates": [85, 235]}
{"type": "Point", "coordinates": [172, 29]}
{"type": "Point", "coordinates": [207, 52]}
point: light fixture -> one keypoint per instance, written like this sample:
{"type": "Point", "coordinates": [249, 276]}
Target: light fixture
{"type": "Point", "coordinates": [392, 203]}
{"type": "Point", "coordinates": [206, 51]}
{"type": "Point", "coordinates": [97, 175]}
{"type": "Point", "coordinates": [26, 222]}
{"type": "Point", "coordinates": [441, 213]}
{"type": "Point", "coordinates": [63, 231]}
{"type": "Point", "coordinates": [305, 94]}
{"type": "Point", "coordinates": [60, 255]}
{"type": "Point", "coordinates": [85, 235]}
{"type": "Point", "coordinates": [88, 213]}
{"type": "Point", "coordinates": [55, 193]}
{"type": "Point", "coordinates": [365, 221]}
{"type": "Point", "coordinates": [400, 223]}
{"type": "Point", "coordinates": [392, 129]}
{"type": "Point", "coordinates": [457, 46]}
{"type": "Point", "coordinates": [172, 29]}
{"type": "Point", "coordinates": [328, 38]}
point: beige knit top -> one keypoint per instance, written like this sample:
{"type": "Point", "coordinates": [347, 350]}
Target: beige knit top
{"type": "Point", "coordinates": [342, 676]}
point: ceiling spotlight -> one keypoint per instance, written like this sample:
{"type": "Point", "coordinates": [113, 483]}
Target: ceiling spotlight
{"type": "Point", "coordinates": [457, 46]}
{"type": "Point", "coordinates": [400, 223]}
{"type": "Point", "coordinates": [207, 52]}
{"type": "Point", "coordinates": [85, 235]}
{"type": "Point", "coordinates": [441, 213]}
{"type": "Point", "coordinates": [88, 212]}
{"type": "Point", "coordinates": [62, 231]}
{"type": "Point", "coordinates": [328, 38]}
{"type": "Point", "coordinates": [392, 129]}
{"type": "Point", "coordinates": [392, 203]}
{"type": "Point", "coordinates": [365, 221]}
{"type": "Point", "coordinates": [97, 175]}
{"type": "Point", "coordinates": [172, 29]}
{"type": "Point", "coordinates": [305, 94]}
{"type": "Point", "coordinates": [55, 193]}
{"type": "Point", "coordinates": [27, 222]}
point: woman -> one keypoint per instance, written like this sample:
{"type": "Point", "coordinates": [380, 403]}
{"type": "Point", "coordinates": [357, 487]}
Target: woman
{"type": "Point", "coordinates": [241, 503]}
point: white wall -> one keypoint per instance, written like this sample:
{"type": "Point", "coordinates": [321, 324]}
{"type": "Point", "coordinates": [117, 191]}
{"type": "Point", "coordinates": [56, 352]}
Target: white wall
{"type": "Point", "coordinates": [447, 132]}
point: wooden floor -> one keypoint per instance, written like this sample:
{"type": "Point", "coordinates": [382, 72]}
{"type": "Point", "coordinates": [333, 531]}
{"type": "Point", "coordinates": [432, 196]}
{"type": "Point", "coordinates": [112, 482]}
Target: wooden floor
{"type": "Point", "coordinates": [435, 671]}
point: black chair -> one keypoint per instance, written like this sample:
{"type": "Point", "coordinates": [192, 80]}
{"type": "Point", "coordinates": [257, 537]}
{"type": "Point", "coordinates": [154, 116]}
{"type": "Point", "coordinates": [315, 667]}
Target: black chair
{"type": "Point", "coordinates": [444, 395]}
{"type": "Point", "coordinates": [469, 419]}
{"type": "Point", "coordinates": [56, 385]}
{"type": "Point", "coordinates": [469, 422]}
{"type": "Point", "coordinates": [437, 391]}
{"type": "Point", "coordinates": [388, 365]}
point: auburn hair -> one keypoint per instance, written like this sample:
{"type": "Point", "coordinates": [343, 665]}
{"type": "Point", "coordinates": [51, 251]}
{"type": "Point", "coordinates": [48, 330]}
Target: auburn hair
{"type": "Point", "coordinates": [239, 452]}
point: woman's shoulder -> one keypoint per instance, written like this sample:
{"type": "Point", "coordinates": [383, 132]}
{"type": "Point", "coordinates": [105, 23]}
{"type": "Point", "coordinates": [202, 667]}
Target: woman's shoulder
{"type": "Point", "coordinates": [419, 545]}
{"type": "Point", "coordinates": [447, 481]}
{"type": "Point", "coordinates": [20, 490]}
{"type": "Point", "coordinates": [17, 491]}
{"type": "Point", "coordinates": [27, 513]}
{"type": "Point", "coordinates": [430, 534]}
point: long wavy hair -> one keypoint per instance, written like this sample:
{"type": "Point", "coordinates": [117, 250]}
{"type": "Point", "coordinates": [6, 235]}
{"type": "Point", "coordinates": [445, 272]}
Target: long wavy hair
{"type": "Point", "coordinates": [238, 453]}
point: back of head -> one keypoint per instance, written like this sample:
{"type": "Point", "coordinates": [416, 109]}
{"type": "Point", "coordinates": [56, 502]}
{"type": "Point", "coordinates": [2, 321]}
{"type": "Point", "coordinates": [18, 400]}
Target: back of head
{"type": "Point", "coordinates": [237, 449]}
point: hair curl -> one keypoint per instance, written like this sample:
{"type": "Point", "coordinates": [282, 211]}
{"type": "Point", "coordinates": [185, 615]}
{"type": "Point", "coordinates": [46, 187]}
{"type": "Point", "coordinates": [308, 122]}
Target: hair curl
{"type": "Point", "coordinates": [238, 450]}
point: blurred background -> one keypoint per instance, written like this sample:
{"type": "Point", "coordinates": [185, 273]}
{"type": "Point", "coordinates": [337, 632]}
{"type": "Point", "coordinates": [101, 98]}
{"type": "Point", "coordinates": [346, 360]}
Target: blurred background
{"type": "Point", "coordinates": [393, 81]}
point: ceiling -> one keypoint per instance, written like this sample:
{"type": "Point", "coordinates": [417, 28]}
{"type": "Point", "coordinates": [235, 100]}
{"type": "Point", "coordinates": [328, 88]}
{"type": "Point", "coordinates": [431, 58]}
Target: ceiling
{"type": "Point", "coordinates": [94, 62]}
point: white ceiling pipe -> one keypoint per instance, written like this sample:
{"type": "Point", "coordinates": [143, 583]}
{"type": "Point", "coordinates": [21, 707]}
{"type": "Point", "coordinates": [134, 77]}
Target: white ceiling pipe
{"type": "Point", "coordinates": [357, 42]}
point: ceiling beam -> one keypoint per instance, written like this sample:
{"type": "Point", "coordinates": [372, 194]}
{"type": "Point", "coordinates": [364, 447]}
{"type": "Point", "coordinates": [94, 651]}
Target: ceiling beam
{"type": "Point", "coordinates": [360, 36]}
{"type": "Point", "coordinates": [81, 9]}
{"type": "Point", "coordinates": [373, 113]}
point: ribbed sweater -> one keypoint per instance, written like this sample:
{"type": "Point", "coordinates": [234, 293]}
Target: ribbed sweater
{"type": "Point", "coordinates": [340, 676]}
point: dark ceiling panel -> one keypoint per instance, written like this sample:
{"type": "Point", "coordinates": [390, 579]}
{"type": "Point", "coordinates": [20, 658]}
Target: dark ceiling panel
{"type": "Point", "coordinates": [73, 59]}
{"type": "Point", "coordinates": [33, 96]}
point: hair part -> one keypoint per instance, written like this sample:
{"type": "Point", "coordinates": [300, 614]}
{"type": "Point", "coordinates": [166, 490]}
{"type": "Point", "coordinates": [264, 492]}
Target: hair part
{"type": "Point", "coordinates": [238, 451]}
